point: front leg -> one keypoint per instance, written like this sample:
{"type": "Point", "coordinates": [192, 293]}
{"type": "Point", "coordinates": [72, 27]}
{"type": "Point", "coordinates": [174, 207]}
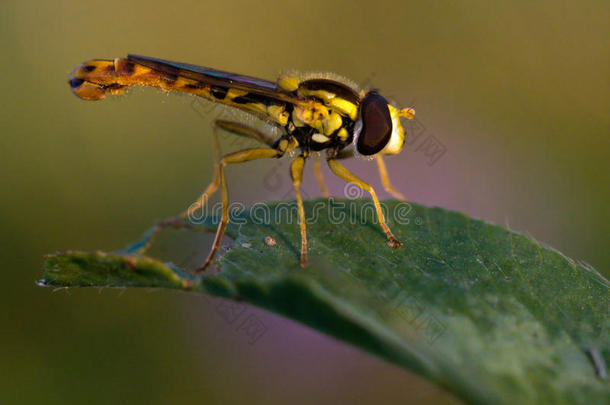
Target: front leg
{"type": "Point", "coordinates": [385, 180]}
{"type": "Point", "coordinates": [340, 170]}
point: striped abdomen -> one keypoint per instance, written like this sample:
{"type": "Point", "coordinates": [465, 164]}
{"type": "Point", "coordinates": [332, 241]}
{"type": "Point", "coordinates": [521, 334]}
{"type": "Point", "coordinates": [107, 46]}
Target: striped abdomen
{"type": "Point", "coordinates": [95, 79]}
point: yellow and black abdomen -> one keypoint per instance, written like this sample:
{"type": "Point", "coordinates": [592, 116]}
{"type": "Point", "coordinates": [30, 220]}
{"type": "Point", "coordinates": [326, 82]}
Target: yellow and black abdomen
{"type": "Point", "coordinates": [97, 78]}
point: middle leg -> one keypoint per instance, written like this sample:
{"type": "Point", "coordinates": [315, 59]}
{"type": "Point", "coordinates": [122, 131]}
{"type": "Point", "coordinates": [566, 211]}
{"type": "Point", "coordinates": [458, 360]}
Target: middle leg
{"type": "Point", "coordinates": [296, 171]}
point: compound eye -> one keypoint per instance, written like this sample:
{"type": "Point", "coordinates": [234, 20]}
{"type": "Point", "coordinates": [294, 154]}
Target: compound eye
{"type": "Point", "coordinates": [376, 124]}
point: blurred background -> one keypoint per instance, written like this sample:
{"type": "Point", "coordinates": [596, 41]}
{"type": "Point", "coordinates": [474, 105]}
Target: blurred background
{"type": "Point", "coordinates": [515, 95]}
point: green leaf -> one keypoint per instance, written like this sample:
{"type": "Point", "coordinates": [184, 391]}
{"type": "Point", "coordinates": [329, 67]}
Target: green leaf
{"type": "Point", "coordinates": [490, 314]}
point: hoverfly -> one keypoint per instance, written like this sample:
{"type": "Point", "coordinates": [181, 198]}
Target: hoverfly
{"type": "Point", "coordinates": [313, 112]}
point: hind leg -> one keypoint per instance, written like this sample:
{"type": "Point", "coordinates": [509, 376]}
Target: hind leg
{"type": "Point", "coordinates": [181, 220]}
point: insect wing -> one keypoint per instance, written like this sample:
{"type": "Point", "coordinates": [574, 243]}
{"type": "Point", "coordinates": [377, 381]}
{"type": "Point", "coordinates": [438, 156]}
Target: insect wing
{"type": "Point", "coordinates": [216, 77]}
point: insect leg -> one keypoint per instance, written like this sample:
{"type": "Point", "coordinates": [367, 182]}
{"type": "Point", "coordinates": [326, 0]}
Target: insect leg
{"type": "Point", "coordinates": [296, 171]}
{"type": "Point", "coordinates": [346, 175]}
{"type": "Point", "coordinates": [235, 157]}
{"type": "Point", "coordinates": [318, 172]}
{"type": "Point", "coordinates": [344, 154]}
{"type": "Point", "coordinates": [234, 128]}
{"type": "Point", "coordinates": [180, 221]}
{"type": "Point", "coordinates": [385, 180]}
{"type": "Point", "coordinates": [240, 129]}
{"type": "Point", "coordinates": [383, 173]}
